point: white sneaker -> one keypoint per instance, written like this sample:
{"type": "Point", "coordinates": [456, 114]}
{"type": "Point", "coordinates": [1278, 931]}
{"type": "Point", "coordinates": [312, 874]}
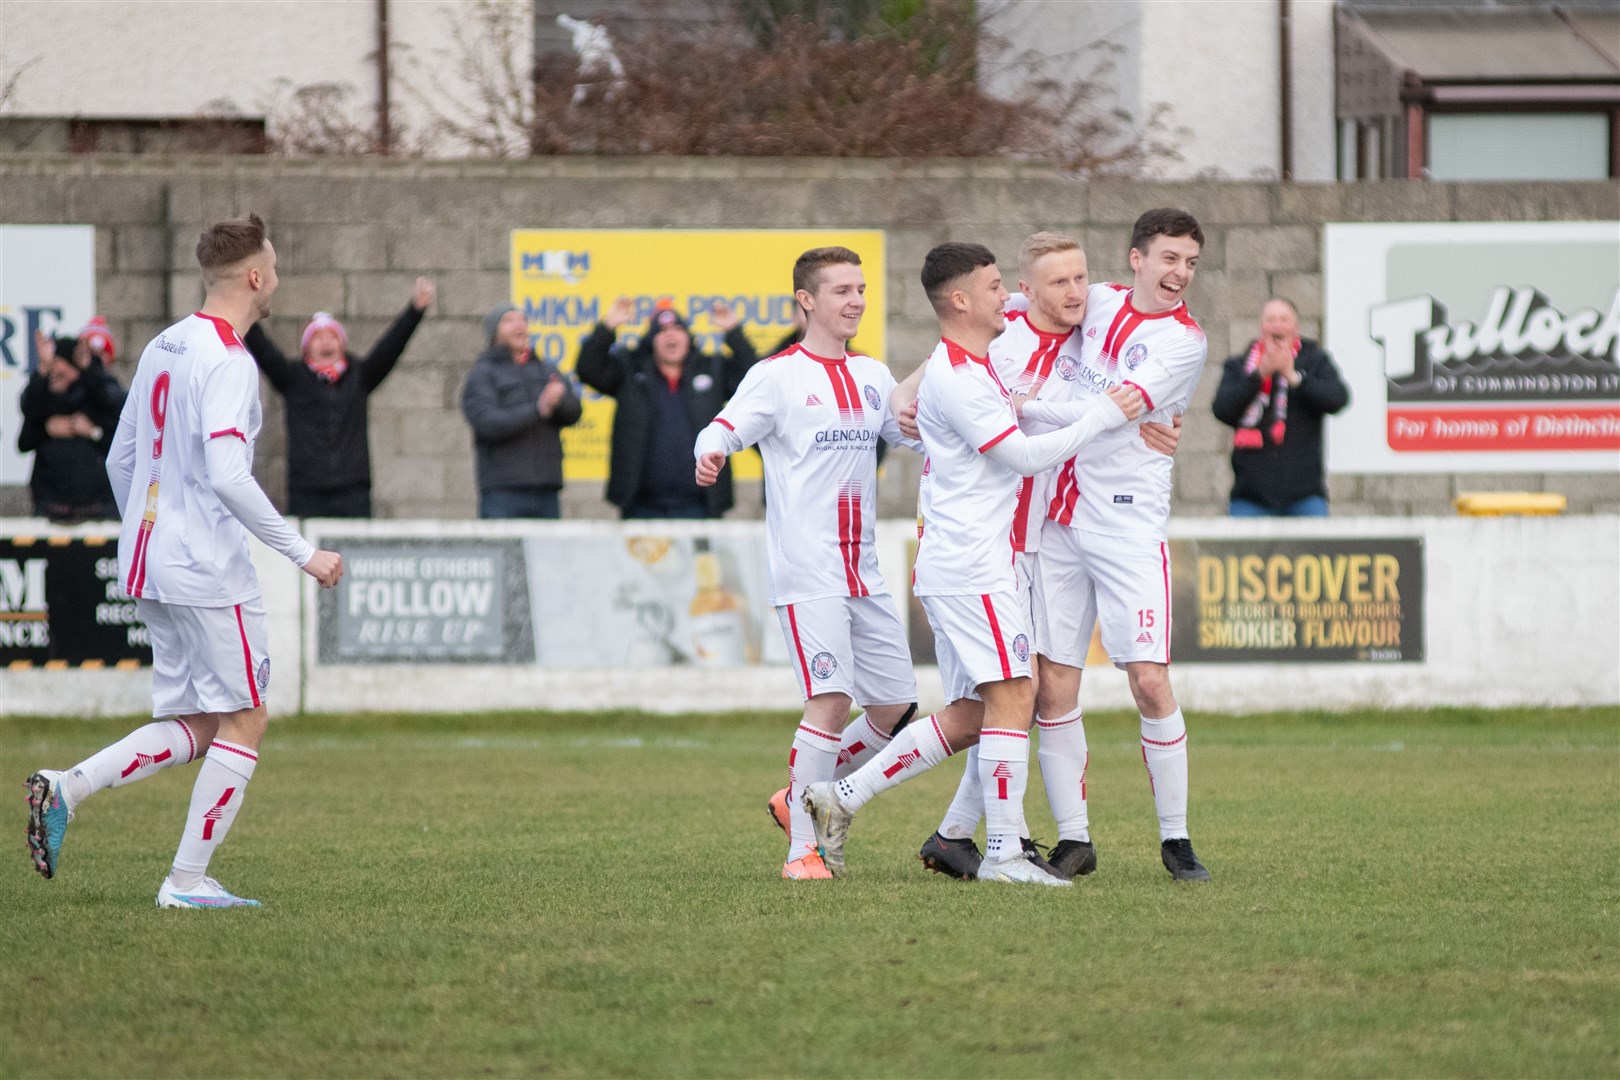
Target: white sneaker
{"type": "Point", "coordinates": [209, 894]}
{"type": "Point", "coordinates": [1018, 867]}
{"type": "Point", "coordinates": [831, 821]}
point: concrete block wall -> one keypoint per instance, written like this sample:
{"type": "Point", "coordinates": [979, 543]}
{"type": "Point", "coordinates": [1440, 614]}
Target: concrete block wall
{"type": "Point", "coordinates": [352, 235]}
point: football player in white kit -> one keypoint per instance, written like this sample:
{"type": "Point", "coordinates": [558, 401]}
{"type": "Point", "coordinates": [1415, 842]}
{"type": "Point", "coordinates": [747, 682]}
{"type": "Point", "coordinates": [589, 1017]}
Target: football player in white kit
{"type": "Point", "coordinates": [181, 471]}
{"type": "Point", "coordinates": [965, 570]}
{"type": "Point", "coordinates": [1109, 561]}
{"type": "Point", "coordinates": [1042, 337]}
{"type": "Point", "coordinates": [817, 412]}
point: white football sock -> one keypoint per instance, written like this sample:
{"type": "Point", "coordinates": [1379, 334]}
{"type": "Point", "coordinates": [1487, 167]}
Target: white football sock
{"type": "Point", "coordinates": [967, 807]}
{"type": "Point", "coordinates": [915, 749]}
{"type": "Point", "coordinates": [215, 799]}
{"type": "Point", "coordinates": [812, 759]}
{"type": "Point", "coordinates": [1164, 752]}
{"type": "Point", "coordinates": [142, 753]}
{"type": "Point", "coordinates": [1004, 774]}
{"type": "Point", "coordinates": [1064, 758]}
{"type": "Point", "coordinates": [861, 740]}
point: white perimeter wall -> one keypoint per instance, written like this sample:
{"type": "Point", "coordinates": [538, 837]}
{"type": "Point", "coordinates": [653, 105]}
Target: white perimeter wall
{"type": "Point", "coordinates": [1215, 64]}
{"type": "Point", "coordinates": [1518, 611]}
{"type": "Point", "coordinates": [171, 58]}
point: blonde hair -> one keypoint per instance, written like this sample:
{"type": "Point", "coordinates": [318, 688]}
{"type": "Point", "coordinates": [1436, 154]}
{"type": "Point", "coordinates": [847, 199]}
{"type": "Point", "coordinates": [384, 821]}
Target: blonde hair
{"type": "Point", "coordinates": [1043, 243]}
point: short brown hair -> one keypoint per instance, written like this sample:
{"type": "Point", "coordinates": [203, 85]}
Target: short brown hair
{"type": "Point", "coordinates": [1043, 243]}
{"type": "Point", "coordinates": [808, 267]}
{"type": "Point", "coordinates": [1164, 221]}
{"type": "Point", "coordinates": [227, 243]}
{"type": "Point", "coordinates": [945, 263]}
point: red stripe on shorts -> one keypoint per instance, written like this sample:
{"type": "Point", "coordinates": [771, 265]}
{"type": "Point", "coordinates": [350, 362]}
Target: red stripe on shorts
{"type": "Point", "coordinates": [995, 632]}
{"type": "Point", "coordinates": [247, 658]}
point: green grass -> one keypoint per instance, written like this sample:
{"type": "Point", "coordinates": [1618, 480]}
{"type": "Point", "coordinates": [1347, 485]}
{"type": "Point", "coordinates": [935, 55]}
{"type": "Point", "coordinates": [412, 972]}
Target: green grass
{"type": "Point", "coordinates": [1395, 894]}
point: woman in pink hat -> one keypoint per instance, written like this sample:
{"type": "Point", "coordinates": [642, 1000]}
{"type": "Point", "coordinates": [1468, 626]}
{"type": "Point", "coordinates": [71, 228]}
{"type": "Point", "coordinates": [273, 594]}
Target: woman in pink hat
{"type": "Point", "coordinates": [328, 450]}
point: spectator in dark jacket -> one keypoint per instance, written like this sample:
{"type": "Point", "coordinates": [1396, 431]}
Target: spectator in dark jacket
{"type": "Point", "coordinates": [1275, 394]}
{"type": "Point", "coordinates": [667, 392]}
{"type": "Point", "coordinates": [328, 445]}
{"type": "Point", "coordinates": [69, 414]}
{"type": "Point", "coordinates": [517, 405]}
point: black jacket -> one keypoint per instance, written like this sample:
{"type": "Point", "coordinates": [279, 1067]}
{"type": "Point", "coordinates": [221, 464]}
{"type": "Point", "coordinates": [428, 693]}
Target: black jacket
{"type": "Point", "coordinates": [328, 448]}
{"type": "Point", "coordinates": [513, 445]}
{"type": "Point", "coordinates": [1276, 475]}
{"type": "Point", "coordinates": [70, 475]}
{"type": "Point", "coordinates": [631, 377]}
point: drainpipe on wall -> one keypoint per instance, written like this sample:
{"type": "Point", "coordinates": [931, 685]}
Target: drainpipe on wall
{"type": "Point", "coordinates": [385, 134]}
{"type": "Point", "coordinates": [1285, 91]}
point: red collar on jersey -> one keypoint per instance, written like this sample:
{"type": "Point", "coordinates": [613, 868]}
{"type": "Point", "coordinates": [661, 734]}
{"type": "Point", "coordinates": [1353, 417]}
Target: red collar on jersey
{"type": "Point", "coordinates": [959, 356]}
{"type": "Point", "coordinates": [1044, 335]}
{"type": "Point", "coordinates": [226, 332]}
{"type": "Point", "coordinates": [820, 359]}
{"type": "Point", "coordinates": [1179, 312]}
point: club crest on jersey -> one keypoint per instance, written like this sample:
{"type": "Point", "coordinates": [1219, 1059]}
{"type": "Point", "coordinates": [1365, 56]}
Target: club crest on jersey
{"type": "Point", "coordinates": [873, 400]}
{"type": "Point", "coordinates": [823, 664]}
{"type": "Point", "coordinates": [1021, 647]}
{"type": "Point", "coordinates": [264, 673]}
{"type": "Point", "coordinates": [1067, 368]}
{"type": "Point", "coordinates": [1135, 355]}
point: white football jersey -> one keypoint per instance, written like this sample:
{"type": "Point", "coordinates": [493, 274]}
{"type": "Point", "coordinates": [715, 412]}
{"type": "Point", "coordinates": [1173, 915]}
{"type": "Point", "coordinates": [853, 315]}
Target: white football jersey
{"type": "Point", "coordinates": [817, 422]}
{"type": "Point", "coordinates": [178, 543]}
{"type": "Point", "coordinates": [1118, 485]}
{"type": "Point", "coordinates": [966, 499]}
{"type": "Point", "coordinates": [1024, 358]}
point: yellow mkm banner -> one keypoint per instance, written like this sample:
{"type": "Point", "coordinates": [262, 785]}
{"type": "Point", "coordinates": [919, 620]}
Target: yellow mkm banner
{"type": "Point", "coordinates": [564, 280]}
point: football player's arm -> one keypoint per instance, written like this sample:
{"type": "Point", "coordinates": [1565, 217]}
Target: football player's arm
{"type": "Point", "coordinates": [903, 404]}
{"type": "Point", "coordinates": [892, 431]}
{"type": "Point", "coordinates": [1082, 422]}
{"type": "Point", "coordinates": [748, 417]}
{"type": "Point", "coordinates": [121, 458]}
{"type": "Point", "coordinates": [1165, 379]}
{"type": "Point", "coordinates": [227, 395]}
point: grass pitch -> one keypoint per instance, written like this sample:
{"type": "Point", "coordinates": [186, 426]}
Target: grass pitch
{"type": "Point", "coordinates": [1395, 894]}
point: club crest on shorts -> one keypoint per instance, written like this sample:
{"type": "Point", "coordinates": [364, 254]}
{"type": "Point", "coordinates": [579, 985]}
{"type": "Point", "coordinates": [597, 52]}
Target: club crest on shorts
{"type": "Point", "coordinates": [1135, 355]}
{"type": "Point", "coordinates": [1021, 647]}
{"type": "Point", "coordinates": [1067, 368]}
{"type": "Point", "coordinates": [872, 398]}
{"type": "Point", "coordinates": [823, 664]}
{"type": "Point", "coordinates": [263, 676]}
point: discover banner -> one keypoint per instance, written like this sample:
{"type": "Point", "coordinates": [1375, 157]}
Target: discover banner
{"type": "Point", "coordinates": [1475, 347]}
{"type": "Point", "coordinates": [1297, 600]}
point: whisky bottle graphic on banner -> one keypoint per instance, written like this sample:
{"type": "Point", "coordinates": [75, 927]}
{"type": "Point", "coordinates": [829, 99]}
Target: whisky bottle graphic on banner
{"type": "Point", "coordinates": [718, 629]}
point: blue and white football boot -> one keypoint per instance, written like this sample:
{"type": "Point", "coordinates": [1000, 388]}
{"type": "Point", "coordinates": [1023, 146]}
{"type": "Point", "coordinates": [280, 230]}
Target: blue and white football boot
{"type": "Point", "coordinates": [48, 817]}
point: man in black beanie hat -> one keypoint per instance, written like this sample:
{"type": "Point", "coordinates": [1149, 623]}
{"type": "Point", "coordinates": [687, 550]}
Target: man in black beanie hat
{"type": "Point", "coordinates": [667, 392]}
{"type": "Point", "coordinates": [517, 405]}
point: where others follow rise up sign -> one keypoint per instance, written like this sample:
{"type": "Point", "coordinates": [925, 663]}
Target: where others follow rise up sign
{"type": "Point", "coordinates": [565, 280]}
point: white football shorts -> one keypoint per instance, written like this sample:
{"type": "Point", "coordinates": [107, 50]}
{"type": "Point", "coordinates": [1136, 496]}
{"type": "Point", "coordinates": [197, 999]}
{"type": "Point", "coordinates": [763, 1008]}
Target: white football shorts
{"type": "Point", "coordinates": [1121, 581]}
{"type": "Point", "coordinates": [978, 639]}
{"type": "Point", "coordinates": [851, 645]}
{"type": "Point", "coordinates": [207, 660]}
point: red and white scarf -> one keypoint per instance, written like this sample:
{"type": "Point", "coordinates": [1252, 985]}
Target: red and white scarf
{"type": "Point", "coordinates": [334, 370]}
{"type": "Point", "coordinates": [1247, 436]}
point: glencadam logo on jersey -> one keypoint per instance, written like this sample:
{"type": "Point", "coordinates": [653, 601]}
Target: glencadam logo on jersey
{"type": "Point", "coordinates": [1485, 340]}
